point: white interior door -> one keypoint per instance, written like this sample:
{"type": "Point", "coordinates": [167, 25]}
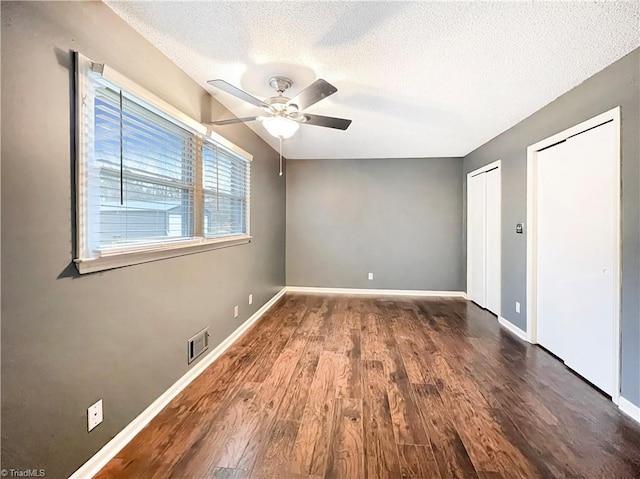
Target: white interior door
{"type": "Point", "coordinates": [493, 239]}
{"type": "Point", "coordinates": [576, 235]}
{"type": "Point", "coordinates": [476, 238]}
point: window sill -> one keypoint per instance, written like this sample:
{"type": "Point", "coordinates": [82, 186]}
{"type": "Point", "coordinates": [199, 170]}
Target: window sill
{"type": "Point", "coordinates": [122, 259]}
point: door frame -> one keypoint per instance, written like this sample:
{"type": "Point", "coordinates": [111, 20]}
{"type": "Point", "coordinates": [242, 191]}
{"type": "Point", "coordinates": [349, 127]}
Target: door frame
{"type": "Point", "coordinates": [532, 229]}
{"type": "Point", "coordinates": [491, 166]}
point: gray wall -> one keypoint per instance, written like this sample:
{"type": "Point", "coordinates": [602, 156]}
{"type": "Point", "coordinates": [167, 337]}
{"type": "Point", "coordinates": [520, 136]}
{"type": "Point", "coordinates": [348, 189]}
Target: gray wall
{"type": "Point", "coordinates": [398, 218]}
{"type": "Point", "coordinates": [617, 85]}
{"type": "Point", "coordinates": [120, 335]}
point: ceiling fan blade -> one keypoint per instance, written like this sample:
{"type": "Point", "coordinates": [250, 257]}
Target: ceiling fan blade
{"type": "Point", "coordinates": [233, 120]}
{"type": "Point", "coordinates": [327, 121]}
{"type": "Point", "coordinates": [237, 92]}
{"type": "Point", "coordinates": [315, 92]}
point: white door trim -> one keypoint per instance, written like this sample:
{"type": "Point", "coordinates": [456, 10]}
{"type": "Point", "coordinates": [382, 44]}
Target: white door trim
{"type": "Point", "coordinates": [532, 221]}
{"type": "Point", "coordinates": [483, 169]}
{"type": "Point", "coordinates": [491, 166]}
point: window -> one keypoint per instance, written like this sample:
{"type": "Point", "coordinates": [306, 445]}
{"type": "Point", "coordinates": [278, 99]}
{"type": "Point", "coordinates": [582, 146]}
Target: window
{"type": "Point", "coordinates": [142, 174]}
{"type": "Point", "coordinates": [151, 182]}
{"type": "Point", "coordinates": [225, 191]}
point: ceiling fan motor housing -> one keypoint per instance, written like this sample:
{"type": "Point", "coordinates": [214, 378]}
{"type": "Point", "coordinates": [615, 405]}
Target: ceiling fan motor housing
{"type": "Point", "coordinates": [279, 104]}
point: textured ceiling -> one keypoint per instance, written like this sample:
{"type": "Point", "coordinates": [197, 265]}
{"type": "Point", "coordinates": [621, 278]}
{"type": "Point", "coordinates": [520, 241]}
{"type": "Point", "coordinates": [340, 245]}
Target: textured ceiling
{"type": "Point", "coordinates": [418, 79]}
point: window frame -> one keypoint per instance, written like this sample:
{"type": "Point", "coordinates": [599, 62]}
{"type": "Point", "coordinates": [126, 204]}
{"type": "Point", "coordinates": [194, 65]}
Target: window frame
{"type": "Point", "coordinates": [116, 257]}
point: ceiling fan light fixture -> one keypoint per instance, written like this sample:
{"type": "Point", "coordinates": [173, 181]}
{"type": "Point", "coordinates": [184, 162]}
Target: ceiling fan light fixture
{"type": "Point", "coordinates": [280, 127]}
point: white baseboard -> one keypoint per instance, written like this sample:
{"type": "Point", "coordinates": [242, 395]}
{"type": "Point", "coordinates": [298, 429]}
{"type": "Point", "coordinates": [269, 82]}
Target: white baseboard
{"type": "Point", "coordinates": [376, 292]}
{"type": "Point", "coordinates": [109, 450]}
{"type": "Point", "coordinates": [629, 409]}
{"type": "Point", "coordinates": [513, 328]}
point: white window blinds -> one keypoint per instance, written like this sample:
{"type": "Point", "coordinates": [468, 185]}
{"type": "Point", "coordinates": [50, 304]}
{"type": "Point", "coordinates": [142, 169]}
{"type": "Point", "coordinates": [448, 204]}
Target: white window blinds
{"type": "Point", "coordinates": [225, 185]}
{"type": "Point", "coordinates": [143, 173]}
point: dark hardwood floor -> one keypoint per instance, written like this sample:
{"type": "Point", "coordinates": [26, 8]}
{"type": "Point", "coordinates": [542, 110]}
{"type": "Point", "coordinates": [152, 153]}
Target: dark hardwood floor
{"type": "Point", "coordinates": [337, 387]}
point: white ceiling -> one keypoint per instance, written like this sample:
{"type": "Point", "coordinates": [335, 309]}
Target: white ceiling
{"type": "Point", "coordinates": [418, 79]}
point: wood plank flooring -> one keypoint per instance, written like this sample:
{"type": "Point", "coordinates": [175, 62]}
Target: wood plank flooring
{"type": "Point", "coordinates": [376, 388]}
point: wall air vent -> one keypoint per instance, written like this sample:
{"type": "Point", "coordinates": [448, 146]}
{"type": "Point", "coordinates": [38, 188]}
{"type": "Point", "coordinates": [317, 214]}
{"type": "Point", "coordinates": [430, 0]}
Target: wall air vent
{"type": "Point", "coordinates": [197, 345]}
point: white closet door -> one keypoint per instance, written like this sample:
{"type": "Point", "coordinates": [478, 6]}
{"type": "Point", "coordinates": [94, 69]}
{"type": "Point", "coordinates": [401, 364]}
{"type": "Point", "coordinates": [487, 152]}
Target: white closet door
{"type": "Point", "coordinates": [493, 235]}
{"type": "Point", "coordinates": [576, 253]}
{"type": "Point", "coordinates": [476, 238]}
{"type": "Point", "coordinates": [591, 354]}
{"type": "Point", "coordinates": [554, 301]}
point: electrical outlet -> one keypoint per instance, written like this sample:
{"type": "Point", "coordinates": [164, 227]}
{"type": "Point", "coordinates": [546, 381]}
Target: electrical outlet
{"type": "Point", "coordinates": [250, 299]}
{"type": "Point", "coordinates": [235, 312]}
{"type": "Point", "coordinates": [517, 307]}
{"type": "Point", "coordinates": [94, 415]}
{"type": "Point", "coordinates": [370, 277]}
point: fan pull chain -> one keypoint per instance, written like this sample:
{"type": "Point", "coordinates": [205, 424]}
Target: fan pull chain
{"type": "Point", "coordinates": [280, 155]}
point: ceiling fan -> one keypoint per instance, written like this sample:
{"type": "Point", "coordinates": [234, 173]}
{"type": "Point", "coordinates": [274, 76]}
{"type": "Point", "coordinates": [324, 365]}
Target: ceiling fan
{"type": "Point", "coordinates": [283, 115]}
